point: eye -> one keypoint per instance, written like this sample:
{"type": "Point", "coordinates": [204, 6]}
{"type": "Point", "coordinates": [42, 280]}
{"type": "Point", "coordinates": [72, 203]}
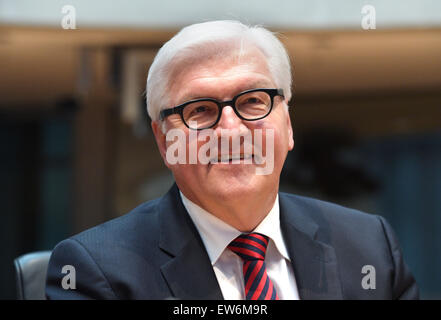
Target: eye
{"type": "Point", "coordinates": [200, 109]}
{"type": "Point", "coordinates": [252, 100]}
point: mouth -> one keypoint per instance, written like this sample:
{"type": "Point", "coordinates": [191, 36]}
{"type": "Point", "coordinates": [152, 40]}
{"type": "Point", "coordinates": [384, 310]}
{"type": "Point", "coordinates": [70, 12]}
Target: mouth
{"type": "Point", "coordinates": [233, 159]}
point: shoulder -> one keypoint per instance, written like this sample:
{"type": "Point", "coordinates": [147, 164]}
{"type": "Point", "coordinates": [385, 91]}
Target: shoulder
{"type": "Point", "coordinates": [131, 234]}
{"type": "Point", "coordinates": [100, 255]}
{"type": "Point", "coordinates": [336, 224]}
{"type": "Point", "coordinates": [142, 220]}
{"type": "Point", "coordinates": [358, 239]}
{"type": "Point", "coordinates": [326, 212]}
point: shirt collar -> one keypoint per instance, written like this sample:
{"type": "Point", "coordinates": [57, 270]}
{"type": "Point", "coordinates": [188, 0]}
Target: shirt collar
{"type": "Point", "coordinates": [217, 234]}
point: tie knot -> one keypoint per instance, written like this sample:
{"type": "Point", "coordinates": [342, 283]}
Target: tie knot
{"type": "Point", "coordinates": [251, 246]}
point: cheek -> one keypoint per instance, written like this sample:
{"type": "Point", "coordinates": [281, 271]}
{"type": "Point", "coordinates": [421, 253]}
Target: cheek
{"type": "Point", "coordinates": [283, 131]}
{"type": "Point", "coordinates": [276, 145]}
{"type": "Point", "coordinates": [280, 132]}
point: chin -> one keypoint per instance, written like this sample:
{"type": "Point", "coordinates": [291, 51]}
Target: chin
{"type": "Point", "coordinates": [228, 192]}
{"type": "Point", "coordinates": [230, 186]}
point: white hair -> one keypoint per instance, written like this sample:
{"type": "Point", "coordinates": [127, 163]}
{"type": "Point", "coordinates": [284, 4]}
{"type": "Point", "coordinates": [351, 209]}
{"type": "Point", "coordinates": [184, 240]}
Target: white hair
{"type": "Point", "coordinates": [205, 39]}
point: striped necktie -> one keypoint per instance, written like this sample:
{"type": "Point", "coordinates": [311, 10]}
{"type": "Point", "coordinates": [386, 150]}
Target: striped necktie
{"type": "Point", "coordinates": [252, 248]}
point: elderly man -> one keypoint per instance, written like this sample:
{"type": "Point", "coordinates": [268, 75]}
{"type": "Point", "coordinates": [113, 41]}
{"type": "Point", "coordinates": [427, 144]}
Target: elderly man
{"type": "Point", "coordinates": [224, 230]}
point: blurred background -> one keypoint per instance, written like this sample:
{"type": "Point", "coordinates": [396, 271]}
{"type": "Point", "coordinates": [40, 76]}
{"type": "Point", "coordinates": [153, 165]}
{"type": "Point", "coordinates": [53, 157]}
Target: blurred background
{"type": "Point", "coordinates": [77, 148]}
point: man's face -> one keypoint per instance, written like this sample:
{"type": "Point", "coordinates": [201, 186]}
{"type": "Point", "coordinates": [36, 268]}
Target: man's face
{"type": "Point", "coordinates": [222, 78]}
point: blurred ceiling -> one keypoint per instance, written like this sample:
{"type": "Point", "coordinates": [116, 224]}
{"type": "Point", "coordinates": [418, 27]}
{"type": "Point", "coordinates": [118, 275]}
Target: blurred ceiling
{"type": "Point", "coordinates": [315, 14]}
{"type": "Point", "coordinates": [40, 64]}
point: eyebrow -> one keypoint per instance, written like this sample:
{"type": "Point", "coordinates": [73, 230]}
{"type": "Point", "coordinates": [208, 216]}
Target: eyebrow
{"type": "Point", "coordinates": [248, 86]}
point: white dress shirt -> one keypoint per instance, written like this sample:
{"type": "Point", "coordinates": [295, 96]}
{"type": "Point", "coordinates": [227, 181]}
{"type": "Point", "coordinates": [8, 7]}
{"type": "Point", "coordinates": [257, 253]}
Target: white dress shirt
{"type": "Point", "coordinates": [217, 235]}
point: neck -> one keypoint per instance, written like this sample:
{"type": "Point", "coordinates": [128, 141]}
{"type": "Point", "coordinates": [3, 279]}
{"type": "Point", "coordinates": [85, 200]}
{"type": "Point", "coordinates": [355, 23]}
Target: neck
{"type": "Point", "coordinates": [244, 213]}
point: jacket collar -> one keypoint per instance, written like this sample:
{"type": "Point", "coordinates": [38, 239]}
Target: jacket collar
{"type": "Point", "coordinates": [190, 274]}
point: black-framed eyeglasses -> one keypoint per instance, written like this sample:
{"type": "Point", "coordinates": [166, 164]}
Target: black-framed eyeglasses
{"type": "Point", "coordinates": [205, 113]}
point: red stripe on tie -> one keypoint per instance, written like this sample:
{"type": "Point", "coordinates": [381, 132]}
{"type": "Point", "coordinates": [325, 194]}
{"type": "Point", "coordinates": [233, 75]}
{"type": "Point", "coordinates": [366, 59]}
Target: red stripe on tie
{"type": "Point", "coordinates": [259, 265]}
{"type": "Point", "coordinates": [248, 252]}
{"type": "Point", "coordinates": [269, 292]}
{"type": "Point", "coordinates": [251, 243]}
{"type": "Point", "coordinates": [260, 286]}
{"type": "Point", "coordinates": [260, 237]}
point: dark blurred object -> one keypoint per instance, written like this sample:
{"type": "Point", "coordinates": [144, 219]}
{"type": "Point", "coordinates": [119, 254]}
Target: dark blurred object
{"type": "Point", "coordinates": [67, 104]}
{"type": "Point", "coordinates": [37, 174]}
{"type": "Point", "coordinates": [30, 272]}
{"type": "Point", "coordinates": [324, 160]}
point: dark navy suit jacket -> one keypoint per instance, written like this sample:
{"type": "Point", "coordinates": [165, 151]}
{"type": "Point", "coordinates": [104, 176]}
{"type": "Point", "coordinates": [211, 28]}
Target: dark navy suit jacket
{"type": "Point", "coordinates": [155, 252]}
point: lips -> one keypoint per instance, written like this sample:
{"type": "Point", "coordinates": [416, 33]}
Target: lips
{"type": "Point", "coordinates": [233, 158]}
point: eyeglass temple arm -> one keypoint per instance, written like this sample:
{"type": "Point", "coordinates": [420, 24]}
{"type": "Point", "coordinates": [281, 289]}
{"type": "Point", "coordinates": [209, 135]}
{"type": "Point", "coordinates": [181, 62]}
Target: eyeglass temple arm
{"type": "Point", "coordinates": [280, 92]}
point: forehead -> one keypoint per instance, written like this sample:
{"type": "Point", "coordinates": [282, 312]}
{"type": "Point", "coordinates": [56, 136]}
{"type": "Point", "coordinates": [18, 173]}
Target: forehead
{"type": "Point", "coordinates": [220, 76]}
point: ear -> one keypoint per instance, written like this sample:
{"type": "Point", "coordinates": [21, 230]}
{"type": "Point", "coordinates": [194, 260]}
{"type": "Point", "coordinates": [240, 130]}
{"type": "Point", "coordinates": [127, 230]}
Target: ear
{"type": "Point", "coordinates": [290, 131]}
{"type": "Point", "coordinates": [160, 141]}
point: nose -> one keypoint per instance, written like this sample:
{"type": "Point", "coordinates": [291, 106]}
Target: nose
{"type": "Point", "coordinates": [229, 119]}
{"type": "Point", "coordinates": [229, 129]}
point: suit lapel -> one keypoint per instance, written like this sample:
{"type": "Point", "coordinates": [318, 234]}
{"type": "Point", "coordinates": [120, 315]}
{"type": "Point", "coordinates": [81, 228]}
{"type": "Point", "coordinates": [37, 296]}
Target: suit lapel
{"type": "Point", "coordinates": [189, 272]}
{"type": "Point", "coordinates": [314, 262]}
